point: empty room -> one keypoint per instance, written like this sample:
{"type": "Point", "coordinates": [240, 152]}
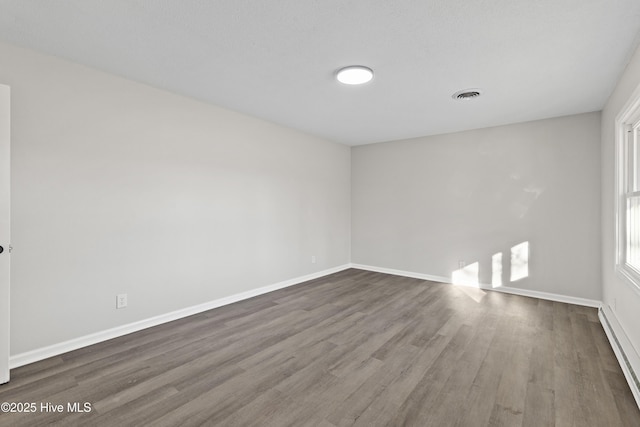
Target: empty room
{"type": "Point", "coordinates": [320, 213]}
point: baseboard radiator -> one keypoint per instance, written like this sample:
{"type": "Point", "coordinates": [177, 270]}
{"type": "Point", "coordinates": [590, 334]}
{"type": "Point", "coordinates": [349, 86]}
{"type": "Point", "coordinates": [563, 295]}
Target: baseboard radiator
{"type": "Point", "coordinates": [619, 350]}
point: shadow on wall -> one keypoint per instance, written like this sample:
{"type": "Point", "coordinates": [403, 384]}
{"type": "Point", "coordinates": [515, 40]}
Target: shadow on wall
{"type": "Point", "coordinates": [516, 268]}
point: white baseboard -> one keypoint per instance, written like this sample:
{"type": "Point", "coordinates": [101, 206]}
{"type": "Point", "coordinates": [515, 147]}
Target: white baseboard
{"type": "Point", "coordinates": [626, 354]}
{"type": "Point", "coordinates": [76, 343]}
{"type": "Point", "coordinates": [402, 273]}
{"type": "Point", "coordinates": [505, 289]}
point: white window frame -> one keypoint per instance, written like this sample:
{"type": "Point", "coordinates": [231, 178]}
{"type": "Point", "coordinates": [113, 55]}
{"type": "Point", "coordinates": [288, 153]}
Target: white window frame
{"type": "Point", "coordinates": [627, 128]}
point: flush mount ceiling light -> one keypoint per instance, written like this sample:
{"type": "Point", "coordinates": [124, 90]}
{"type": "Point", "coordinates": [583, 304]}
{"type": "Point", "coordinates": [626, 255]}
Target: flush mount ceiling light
{"type": "Point", "coordinates": [354, 75]}
{"type": "Point", "coordinates": [467, 94]}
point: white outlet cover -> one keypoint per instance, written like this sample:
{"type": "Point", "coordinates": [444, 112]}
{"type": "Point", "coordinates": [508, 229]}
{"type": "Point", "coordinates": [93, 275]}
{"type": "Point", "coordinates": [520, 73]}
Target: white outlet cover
{"type": "Point", "coordinates": [121, 300]}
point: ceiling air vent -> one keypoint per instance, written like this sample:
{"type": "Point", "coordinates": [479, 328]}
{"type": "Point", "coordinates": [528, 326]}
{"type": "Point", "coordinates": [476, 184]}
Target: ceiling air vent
{"type": "Point", "coordinates": [467, 94]}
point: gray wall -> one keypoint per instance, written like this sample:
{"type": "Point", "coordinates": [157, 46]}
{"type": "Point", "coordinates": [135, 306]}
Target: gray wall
{"type": "Point", "coordinates": [122, 188]}
{"type": "Point", "coordinates": [424, 204]}
{"type": "Point", "coordinates": [627, 301]}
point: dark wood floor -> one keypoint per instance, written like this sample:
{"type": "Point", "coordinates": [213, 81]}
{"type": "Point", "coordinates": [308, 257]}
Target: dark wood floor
{"type": "Point", "coordinates": [353, 348]}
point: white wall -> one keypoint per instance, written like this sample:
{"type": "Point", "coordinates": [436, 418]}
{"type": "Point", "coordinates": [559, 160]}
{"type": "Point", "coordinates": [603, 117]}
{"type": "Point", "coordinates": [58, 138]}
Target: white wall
{"type": "Point", "coordinates": [122, 188]}
{"type": "Point", "coordinates": [421, 205]}
{"type": "Point", "coordinates": [626, 308]}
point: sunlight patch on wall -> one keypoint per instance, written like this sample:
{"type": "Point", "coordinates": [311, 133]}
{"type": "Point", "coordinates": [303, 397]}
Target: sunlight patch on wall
{"type": "Point", "coordinates": [467, 276]}
{"type": "Point", "coordinates": [520, 261]}
{"type": "Point", "coordinates": [496, 270]}
{"type": "Point", "coordinates": [504, 269]}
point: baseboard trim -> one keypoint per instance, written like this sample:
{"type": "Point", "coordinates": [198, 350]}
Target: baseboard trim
{"type": "Point", "coordinates": [627, 356]}
{"type": "Point", "coordinates": [36, 355]}
{"type": "Point", "coordinates": [403, 273]}
{"type": "Point", "coordinates": [87, 340]}
{"type": "Point", "coordinates": [505, 289]}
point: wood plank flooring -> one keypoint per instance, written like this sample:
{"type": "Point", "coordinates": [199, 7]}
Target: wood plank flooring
{"type": "Point", "coordinates": [352, 349]}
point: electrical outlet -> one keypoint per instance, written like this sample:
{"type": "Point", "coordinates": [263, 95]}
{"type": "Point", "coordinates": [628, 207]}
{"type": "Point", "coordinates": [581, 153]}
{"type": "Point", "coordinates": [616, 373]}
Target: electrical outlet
{"type": "Point", "coordinates": [313, 259]}
{"type": "Point", "coordinates": [121, 300]}
{"type": "Point", "coordinates": [462, 264]}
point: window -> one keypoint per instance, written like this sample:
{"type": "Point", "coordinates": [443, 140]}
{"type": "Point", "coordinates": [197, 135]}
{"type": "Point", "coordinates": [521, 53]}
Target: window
{"type": "Point", "coordinates": [628, 190]}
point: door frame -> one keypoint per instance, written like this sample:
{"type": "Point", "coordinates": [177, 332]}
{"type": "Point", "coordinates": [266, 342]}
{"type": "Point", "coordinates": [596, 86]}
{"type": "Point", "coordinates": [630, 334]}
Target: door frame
{"type": "Point", "coordinates": [5, 230]}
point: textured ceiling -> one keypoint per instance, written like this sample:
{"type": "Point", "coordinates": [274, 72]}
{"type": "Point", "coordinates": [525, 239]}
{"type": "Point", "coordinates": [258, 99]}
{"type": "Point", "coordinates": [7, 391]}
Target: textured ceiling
{"type": "Point", "coordinates": [276, 59]}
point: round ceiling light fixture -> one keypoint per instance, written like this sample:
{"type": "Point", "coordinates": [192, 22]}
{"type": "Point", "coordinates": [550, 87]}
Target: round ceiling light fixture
{"type": "Point", "coordinates": [354, 75]}
{"type": "Point", "coordinates": [467, 94]}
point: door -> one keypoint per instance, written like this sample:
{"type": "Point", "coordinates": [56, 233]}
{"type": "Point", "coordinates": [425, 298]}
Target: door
{"type": "Point", "coordinates": [4, 233]}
